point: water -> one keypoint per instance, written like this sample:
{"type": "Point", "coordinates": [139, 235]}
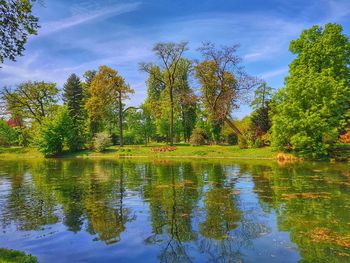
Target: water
{"type": "Point", "coordinates": [175, 211]}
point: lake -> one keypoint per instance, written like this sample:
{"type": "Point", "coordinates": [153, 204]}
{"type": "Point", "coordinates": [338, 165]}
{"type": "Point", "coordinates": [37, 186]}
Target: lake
{"type": "Point", "coordinates": [77, 210]}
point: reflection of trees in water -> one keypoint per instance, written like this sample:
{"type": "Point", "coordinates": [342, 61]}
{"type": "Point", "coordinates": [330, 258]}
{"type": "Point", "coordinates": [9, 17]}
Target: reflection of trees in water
{"type": "Point", "coordinates": [194, 207]}
{"type": "Point", "coordinates": [29, 206]}
{"type": "Point", "coordinates": [310, 202]}
{"type": "Point", "coordinates": [172, 197]}
{"type": "Point", "coordinates": [226, 229]}
{"type": "Point", "coordinates": [81, 191]}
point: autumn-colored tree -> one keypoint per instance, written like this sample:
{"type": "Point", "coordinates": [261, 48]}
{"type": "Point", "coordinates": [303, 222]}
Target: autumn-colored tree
{"type": "Point", "coordinates": [223, 81]}
{"type": "Point", "coordinates": [170, 55]}
{"type": "Point", "coordinates": [107, 92]}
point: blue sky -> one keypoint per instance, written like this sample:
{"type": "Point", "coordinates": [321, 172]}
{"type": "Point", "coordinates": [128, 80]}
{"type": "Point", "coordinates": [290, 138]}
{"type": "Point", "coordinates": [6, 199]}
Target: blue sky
{"type": "Point", "coordinates": [78, 35]}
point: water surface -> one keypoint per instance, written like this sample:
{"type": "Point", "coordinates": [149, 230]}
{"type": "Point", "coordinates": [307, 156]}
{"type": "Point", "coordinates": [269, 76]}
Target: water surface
{"type": "Point", "coordinates": [175, 211]}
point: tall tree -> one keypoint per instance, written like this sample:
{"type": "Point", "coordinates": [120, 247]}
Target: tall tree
{"type": "Point", "coordinates": [33, 100]}
{"type": "Point", "coordinates": [73, 96]}
{"type": "Point", "coordinates": [107, 89]}
{"type": "Point", "coordinates": [312, 107]}
{"type": "Point", "coordinates": [170, 55]}
{"type": "Point", "coordinates": [224, 82]}
{"type": "Point", "coordinates": [185, 98]}
{"type": "Point", "coordinates": [17, 23]}
{"type": "Point", "coordinates": [261, 105]}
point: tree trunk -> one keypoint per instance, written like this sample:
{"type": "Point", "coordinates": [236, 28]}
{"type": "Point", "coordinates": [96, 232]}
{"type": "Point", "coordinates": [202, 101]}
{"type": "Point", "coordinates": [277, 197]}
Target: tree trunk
{"type": "Point", "coordinates": [171, 139]}
{"type": "Point", "coordinates": [233, 127]}
{"type": "Point", "coordinates": [120, 121]}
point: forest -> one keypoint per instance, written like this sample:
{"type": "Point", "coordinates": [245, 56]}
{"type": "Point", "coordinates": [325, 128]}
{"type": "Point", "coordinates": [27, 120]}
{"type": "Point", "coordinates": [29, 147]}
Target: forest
{"type": "Point", "coordinates": [190, 101]}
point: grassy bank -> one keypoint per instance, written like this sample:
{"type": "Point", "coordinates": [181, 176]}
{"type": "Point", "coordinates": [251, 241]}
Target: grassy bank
{"type": "Point", "coordinates": [154, 151]}
{"type": "Point", "coordinates": [14, 256]}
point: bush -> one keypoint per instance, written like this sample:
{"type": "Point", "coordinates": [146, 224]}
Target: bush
{"type": "Point", "coordinates": [242, 142]}
{"type": "Point", "coordinates": [266, 138]}
{"type": "Point", "coordinates": [258, 143]}
{"type": "Point", "coordinates": [197, 137]}
{"type": "Point", "coordinates": [102, 141]}
{"type": "Point", "coordinates": [8, 136]}
{"type": "Point", "coordinates": [232, 139]}
{"type": "Point", "coordinates": [345, 138]}
{"type": "Point", "coordinates": [54, 133]}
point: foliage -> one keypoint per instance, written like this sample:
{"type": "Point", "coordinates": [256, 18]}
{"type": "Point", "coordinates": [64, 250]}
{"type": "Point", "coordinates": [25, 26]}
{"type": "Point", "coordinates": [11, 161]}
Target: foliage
{"type": "Point", "coordinates": [345, 138]}
{"type": "Point", "coordinates": [313, 104]}
{"type": "Point", "coordinates": [102, 141]}
{"type": "Point", "coordinates": [197, 137]}
{"type": "Point", "coordinates": [8, 136]}
{"type": "Point", "coordinates": [170, 54]}
{"type": "Point", "coordinates": [258, 143]}
{"type": "Point", "coordinates": [33, 100]}
{"type": "Point", "coordinates": [17, 23]}
{"type": "Point", "coordinates": [73, 96]}
{"type": "Point", "coordinates": [55, 133]}
{"type": "Point", "coordinates": [15, 256]}
{"type": "Point", "coordinates": [106, 94]}
{"type": "Point", "coordinates": [242, 142]}
{"type": "Point", "coordinates": [223, 82]}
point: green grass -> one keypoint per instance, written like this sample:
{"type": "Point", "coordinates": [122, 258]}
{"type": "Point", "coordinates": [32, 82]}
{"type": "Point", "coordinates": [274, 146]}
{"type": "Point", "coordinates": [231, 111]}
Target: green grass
{"type": "Point", "coordinates": [182, 151]}
{"type": "Point", "coordinates": [14, 256]}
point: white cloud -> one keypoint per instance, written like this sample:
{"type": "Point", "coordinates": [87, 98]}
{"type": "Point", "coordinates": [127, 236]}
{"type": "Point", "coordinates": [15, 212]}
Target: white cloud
{"type": "Point", "coordinates": [85, 17]}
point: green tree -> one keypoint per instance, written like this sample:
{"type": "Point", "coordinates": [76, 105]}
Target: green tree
{"type": "Point", "coordinates": [73, 96]}
{"type": "Point", "coordinates": [17, 23]}
{"type": "Point", "coordinates": [107, 92]}
{"type": "Point", "coordinates": [32, 100]}
{"type": "Point", "coordinates": [311, 109]}
{"type": "Point", "coordinates": [260, 116]}
{"type": "Point", "coordinates": [170, 54]}
{"type": "Point", "coordinates": [55, 133]}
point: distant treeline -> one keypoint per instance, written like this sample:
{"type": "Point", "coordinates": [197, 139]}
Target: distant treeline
{"type": "Point", "coordinates": [192, 101]}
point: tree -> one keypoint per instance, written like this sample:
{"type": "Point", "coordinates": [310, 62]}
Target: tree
{"type": "Point", "coordinates": [107, 91]}
{"type": "Point", "coordinates": [223, 82]}
{"type": "Point", "coordinates": [17, 23]}
{"type": "Point", "coordinates": [260, 116]}
{"type": "Point", "coordinates": [170, 55]}
{"type": "Point", "coordinates": [73, 96]}
{"type": "Point", "coordinates": [55, 133]}
{"type": "Point", "coordinates": [33, 100]}
{"type": "Point", "coordinates": [185, 98]}
{"type": "Point", "coordinates": [311, 109]}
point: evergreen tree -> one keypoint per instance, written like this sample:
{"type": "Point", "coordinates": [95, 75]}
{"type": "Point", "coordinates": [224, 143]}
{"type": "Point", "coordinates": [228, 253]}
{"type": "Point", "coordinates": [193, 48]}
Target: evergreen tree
{"type": "Point", "coordinates": [73, 96]}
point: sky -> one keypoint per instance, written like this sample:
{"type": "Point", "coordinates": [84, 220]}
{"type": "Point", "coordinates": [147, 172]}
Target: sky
{"type": "Point", "coordinates": [80, 35]}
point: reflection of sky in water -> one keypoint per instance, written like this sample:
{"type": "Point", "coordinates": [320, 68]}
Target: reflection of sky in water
{"type": "Point", "coordinates": [72, 211]}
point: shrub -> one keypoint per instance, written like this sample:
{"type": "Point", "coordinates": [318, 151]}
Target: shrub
{"type": "Point", "coordinates": [242, 142]}
{"type": "Point", "coordinates": [266, 138]}
{"type": "Point", "coordinates": [102, 141]}
{"type": "Point", "coordinates": [8, 135]}
{"type": "Point", "coordinates": [197, 137]}
{"type": "Point", "coordinates": [232, 139]}
{"type": "Point", "coordinates": [258, 143]}
{"type": "Point", "coordinates": [54, 133]}
{"type": "Point", "coordinates": [345, 138]}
